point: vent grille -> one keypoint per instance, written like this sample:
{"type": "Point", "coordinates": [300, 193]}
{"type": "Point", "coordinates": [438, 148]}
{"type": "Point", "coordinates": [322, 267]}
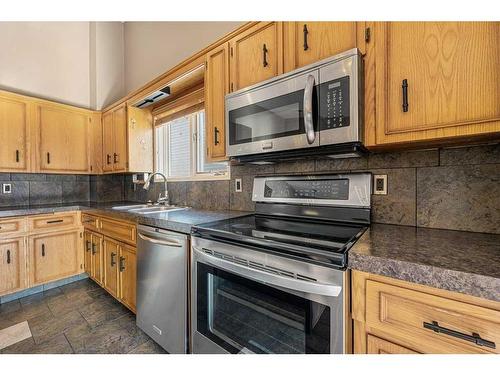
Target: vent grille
{"type": "Point", "coordinates": [258, 266]}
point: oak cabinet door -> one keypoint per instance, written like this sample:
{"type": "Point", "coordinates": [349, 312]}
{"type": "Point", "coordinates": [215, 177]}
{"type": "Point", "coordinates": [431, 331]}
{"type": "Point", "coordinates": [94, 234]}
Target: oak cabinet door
{"type": "Point", "coordinates": [87, 258]}
{"type": "Point", "coordinates": [63, 140]}
{"type": "Point", "coordinates": [54, 256]}
{"type": "Point", "coordinates": [376, 345]}
{"type": "Point", "coordinates": [12, 265]}
{"type": "Point", "coordinates": [256, 54]}
{"type": "Point", "coordinates": [95, 144]}
{"type": "Point", "coordinates": [216, 88]}
{"type": "Point", "coordinates": [436, 80]}
{"type": "Point", "coordinates": [107, 142]}
{"type": "Point", "coordinates": [128, 276]}
{"type": "Point", "coordinates": [14, 130]}
{"type": "Point", "coordinates": [110, 265]}
{"type": "Point", "coordinates": [97, 257]}
{"type": "Point", "coordinates": [309, 42]}
{"type": "Point", "coordinates": [120, 138]}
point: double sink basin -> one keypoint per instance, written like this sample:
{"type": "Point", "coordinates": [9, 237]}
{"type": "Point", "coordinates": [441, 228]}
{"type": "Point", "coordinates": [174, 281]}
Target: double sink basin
{"type": "Point", "coordinates": [147, 209]}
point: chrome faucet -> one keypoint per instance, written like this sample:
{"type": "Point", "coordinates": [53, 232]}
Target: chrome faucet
{"type": "Point", "coordinates": [161, 199]}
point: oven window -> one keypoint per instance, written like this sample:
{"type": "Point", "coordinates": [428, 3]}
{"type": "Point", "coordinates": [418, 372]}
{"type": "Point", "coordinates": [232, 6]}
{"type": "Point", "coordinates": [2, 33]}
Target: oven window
{"type": "Point", "coordinates": [244, 316]}
{"type": "Point", "coordinates": [273, 118]}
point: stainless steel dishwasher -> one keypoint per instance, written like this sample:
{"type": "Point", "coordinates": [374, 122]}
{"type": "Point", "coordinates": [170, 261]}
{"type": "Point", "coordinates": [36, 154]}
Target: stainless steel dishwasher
{"type": "Point", "coordinates": [162, 262]}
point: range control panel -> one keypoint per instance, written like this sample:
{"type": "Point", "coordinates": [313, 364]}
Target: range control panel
{"type": "Point", "coordinates": [337, 189]}
{"type": "Point", "coordinates": [335, 104]}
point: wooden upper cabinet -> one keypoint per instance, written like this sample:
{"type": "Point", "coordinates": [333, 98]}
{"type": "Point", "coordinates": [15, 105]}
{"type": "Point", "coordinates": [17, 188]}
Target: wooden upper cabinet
{"type": "Point", "coordinates": [127, 138]}
{"type": "Point", "coordinates": [107, 142]}
{"type": "Point", "coordinates": [256, 54]}
{"type": "Point", "coordinates": [308, 42]}
{"type": "Point", "coordinates": [12, 265]}
{"type": "Point", "coordinates": [14, 133]}
{"type": "Point", "coordinates": [120, 138]}
{"type": "Point", "coordinates": [95, 143]}
{"type": "Point", "coordinates": [63, 137]}
{"type": "Point", "coordinates": [216, 88]}
{"type": "Point", "coordinates": [435, 80]}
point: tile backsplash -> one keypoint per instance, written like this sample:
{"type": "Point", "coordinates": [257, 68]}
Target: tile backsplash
{"type": "Point", "coordinates": [454, 188]}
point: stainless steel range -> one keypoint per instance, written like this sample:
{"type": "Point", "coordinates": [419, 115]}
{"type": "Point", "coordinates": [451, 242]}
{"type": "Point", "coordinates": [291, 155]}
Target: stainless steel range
{"type": "Point", "coordinates": [276, 281]}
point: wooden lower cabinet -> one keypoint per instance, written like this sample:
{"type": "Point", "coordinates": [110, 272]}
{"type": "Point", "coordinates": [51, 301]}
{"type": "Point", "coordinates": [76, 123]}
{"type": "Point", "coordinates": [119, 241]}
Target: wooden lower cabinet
{"type": "Point", "coordinates": [127, 276]}
{"type": "Point", "coordinates": [12, 265]}
{"type": "Point", "coordinates": [87, 259]}
{"type": "Point", "coordinates": [97, 258]}
{"type": "Point", "coordinates": [110, 263]}
{"type": "Point", "coordinates": [393, 316]}
{"type": "Point", "coordinates": [54, 256]}
{"type": "Point", "coordinates": [119, 266]}
{"type": "Point", "coordinates": [376, 345]}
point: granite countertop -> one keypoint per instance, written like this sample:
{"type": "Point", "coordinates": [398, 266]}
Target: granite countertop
{"type": "Point", "coordinates": [180, 220]}
{"type": "Point", "coordinates": [462, 262]}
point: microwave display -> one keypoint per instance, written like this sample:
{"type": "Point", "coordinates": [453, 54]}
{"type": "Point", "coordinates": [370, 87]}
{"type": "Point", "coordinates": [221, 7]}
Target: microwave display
{"type": "Point", "coordinates": [335, 104]}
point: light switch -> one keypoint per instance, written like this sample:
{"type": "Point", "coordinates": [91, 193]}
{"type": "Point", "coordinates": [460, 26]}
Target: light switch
{"type": "Point", "coordinates": [237, 185]}
{"type": "Point", "coordinates": [7, 188]}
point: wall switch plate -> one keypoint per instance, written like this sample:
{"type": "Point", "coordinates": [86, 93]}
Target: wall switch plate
{"type": "Point", "coordinates": [7, 188]}
{"type": "Point", "coordinates": [237, 185]}
{"type": "Point", "coordinates": [380, 184]}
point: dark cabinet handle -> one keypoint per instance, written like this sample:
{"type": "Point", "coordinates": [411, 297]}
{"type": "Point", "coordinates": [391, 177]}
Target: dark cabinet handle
{"type": "Point", "coordinates": [55, 221]}
{"type": "Point", "coordinates": [264, 55]}
{"type": "Point", "coordinates": [122, 264]}
{"type": "Point", "coordinates": [48, 157]}
{"type": "Point", "coordinates": [306, 46]}
{"type": "Point", "coordinates": [115, 158]}
{"type": "Point", "coordinates": [8, 256]}
{"type": "Point", "coordinates": [405, 95]}
{"type": "Point", "coordinates": [17, 156]}
{"type": "Point", "coordinates": [216, 136]}
{"type": "Point", "coordinates": [474, 338]}
{"type": "Point", "coordinates": [43, 249]}
{"type": "Point", "coordinates": [108, 158]}
{"type": "Point", "coordinates": [113, 262]}
{"type": "Point", "coordinates": [93, 248]}
{"type": "Point", "coordinates": [87, 247]}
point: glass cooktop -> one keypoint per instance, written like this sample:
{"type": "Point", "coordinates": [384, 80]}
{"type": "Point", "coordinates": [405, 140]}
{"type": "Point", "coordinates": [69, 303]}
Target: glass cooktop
{"type": "Point", "coordinates": [315, 241]}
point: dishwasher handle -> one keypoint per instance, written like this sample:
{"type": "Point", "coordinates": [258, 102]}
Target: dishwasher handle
{"type": "Point", "coordinates": [268, 278]}
{"type": "Point", "coordinates": [160, 242]}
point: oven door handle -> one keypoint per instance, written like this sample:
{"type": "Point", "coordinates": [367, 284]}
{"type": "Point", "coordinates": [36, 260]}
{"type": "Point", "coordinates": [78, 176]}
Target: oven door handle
{"type": "Point", "coordinates": [272, 279]}
{"type": "Point", "coordinates": [308, 109]}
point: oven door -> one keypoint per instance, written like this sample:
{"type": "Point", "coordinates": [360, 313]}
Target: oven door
{"type": "Point", "coordinates": [237, 309]}
{"type": "Point", "coordinates": [276, 116]}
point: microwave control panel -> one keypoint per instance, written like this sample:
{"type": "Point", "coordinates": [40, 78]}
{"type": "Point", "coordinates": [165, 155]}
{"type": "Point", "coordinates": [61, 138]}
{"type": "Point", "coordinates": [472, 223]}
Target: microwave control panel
{"type": "Point", "coordinates": [334, 104]}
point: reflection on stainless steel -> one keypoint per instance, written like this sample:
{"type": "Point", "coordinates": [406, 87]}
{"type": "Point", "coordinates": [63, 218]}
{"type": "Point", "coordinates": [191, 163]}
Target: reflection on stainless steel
{"type": "Point", "coordinates": [162, 287]}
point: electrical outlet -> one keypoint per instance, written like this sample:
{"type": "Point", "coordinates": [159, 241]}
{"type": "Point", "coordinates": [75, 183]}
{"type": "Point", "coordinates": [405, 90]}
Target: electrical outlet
{"type": "Point", "coordinates": [7, 188]}
{"type": "Point", "coordinates": [380, 184]}
{"type": "Point", "coordinates": [237, 185]}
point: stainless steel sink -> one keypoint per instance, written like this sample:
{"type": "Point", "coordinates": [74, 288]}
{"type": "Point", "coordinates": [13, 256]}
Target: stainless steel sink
{"type": "Point", "coordinates": [131, 207]}
{"type": "Point", "coordinates": [156, 209]}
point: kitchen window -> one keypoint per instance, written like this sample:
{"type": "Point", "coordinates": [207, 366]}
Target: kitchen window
{"type": "Point", "coordinates": [180, 150]}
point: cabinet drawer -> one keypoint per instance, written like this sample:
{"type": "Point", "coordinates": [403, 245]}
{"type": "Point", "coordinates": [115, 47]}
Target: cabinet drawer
{"type": "Point", "coordinates": [90, 222]}
{"type": "Point", "coordinates": [376, 345]}
{"type": "Point", "coordinates": [118, 230]}
{"type": "Point", "coordinates": [13, 226]}
{"type": "Point", "coordinates": [53, 221]}
{"type": "Point", "coordinates": [431, 324]}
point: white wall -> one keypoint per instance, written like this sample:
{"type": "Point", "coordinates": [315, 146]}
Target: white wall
{"type": "Point", "coordinates": [151, 48]}
{"type": "Point", "coordinates": [107, 64]}
{"type": "Point", "coordinates": [46, 59]}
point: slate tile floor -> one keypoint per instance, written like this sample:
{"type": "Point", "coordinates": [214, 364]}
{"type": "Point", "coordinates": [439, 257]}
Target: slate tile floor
{"type": "Point", "coordinates": [80, 317]}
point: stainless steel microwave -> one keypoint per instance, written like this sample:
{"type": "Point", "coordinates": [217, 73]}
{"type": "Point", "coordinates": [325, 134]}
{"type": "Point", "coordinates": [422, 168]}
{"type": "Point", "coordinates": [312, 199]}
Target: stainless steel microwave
{"type": "Point", "coordinates": [315, 108]}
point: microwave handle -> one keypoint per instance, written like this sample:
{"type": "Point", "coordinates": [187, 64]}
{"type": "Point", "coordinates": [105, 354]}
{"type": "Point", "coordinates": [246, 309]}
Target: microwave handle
{"type": "Point", "coordinates": [308, 109]}
{"type": "Point", "coordinates": [268, 278]}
